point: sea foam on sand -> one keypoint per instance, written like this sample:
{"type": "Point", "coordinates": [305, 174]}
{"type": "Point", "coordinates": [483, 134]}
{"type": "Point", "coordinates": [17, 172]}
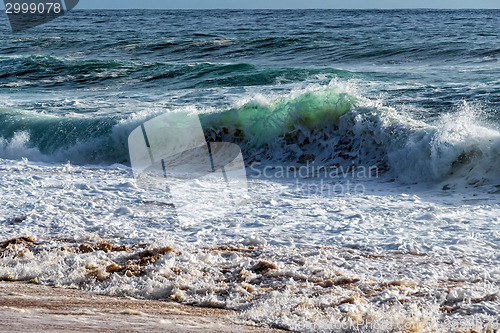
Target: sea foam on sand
{"type": "Point", "coordinates": [311, 289]}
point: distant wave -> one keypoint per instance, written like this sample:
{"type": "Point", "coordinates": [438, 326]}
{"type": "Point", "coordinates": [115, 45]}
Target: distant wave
{"type": "Point", "coordinates": [53, 72]}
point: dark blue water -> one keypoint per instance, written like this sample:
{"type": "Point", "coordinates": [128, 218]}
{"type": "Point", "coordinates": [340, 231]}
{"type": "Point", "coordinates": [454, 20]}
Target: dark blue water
{"type": "Point", "coordinates": [89, 78]}
{"type": "Point", "coordinates": [448, 54]}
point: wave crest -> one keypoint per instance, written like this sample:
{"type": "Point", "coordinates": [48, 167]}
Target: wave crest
{"type": "Point", "coordinates": [328, 126]}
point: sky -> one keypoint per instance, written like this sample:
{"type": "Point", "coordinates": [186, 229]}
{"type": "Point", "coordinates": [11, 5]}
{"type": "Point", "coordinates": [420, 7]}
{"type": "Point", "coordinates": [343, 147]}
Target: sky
{"type": "Point", "coordinates": [189, 4]}
{"type": "Point", "coordinates": [250, 4]}
{"type": "Point", "coordinates": [289, 4]}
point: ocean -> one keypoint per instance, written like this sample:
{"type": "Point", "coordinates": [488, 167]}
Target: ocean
{"type": "Point", "coordinates": [370, 141]}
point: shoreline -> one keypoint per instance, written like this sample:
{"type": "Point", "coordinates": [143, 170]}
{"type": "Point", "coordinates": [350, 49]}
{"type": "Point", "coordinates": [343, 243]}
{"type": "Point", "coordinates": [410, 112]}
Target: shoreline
{"type": "Point", "coordinates": [33, 308]}
{"type": "Point", "coordinates": [300, 289]}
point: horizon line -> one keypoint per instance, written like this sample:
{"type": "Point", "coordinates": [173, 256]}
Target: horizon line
{"type": "Point", "coordinates": [423, 8]}
{"type": "Point", "coordinates": [316, 8]}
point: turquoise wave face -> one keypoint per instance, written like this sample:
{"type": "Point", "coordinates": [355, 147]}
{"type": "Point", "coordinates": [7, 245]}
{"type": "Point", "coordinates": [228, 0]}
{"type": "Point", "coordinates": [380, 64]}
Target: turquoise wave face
{"type": "Point", "coordinates": [58, 139]}
{"type": "Point", "coordinates": [322, 127]}
{"type": "Point", "coordinates": [257, 125]}
{"type": "Point", "coordinates": [282, 129]}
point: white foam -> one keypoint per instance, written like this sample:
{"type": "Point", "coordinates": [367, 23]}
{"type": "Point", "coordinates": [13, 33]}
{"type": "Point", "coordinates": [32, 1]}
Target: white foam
{"type": "Point", "coordinates": [427, 248]}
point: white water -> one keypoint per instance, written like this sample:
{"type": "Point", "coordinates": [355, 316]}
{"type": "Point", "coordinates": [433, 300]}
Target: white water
{"type": "Point", "coordinates": [412, 252]}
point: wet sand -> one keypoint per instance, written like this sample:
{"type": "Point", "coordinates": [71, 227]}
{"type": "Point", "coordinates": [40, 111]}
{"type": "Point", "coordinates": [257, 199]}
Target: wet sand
{"type": "Point", "coordinates": [34, 308]}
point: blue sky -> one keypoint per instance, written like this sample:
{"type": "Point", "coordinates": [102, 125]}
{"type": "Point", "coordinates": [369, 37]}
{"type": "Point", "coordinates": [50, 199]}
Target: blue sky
{"type": "Point", "coordinates": [189, 4]}
{"type": "Point", "coordinates": [289, 4]}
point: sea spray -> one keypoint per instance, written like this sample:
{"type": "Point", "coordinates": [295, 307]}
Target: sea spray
{"type": "Point", "coordinates": [327, 126]}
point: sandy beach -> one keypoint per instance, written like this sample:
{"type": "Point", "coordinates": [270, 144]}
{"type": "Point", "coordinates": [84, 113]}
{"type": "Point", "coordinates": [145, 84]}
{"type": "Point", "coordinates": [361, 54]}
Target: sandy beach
{"type": "Point", "coordinates": [35, 308]}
